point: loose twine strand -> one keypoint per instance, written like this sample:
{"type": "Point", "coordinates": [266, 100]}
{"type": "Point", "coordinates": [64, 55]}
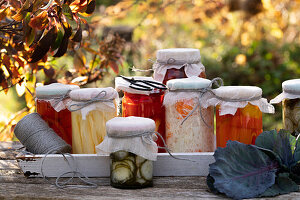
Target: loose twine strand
{"type": "Point", "coordinates": [99, 98]}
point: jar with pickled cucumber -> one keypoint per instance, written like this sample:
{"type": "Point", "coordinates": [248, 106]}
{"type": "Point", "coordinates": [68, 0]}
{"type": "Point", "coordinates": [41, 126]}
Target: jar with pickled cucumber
{"type": "Point", "coordinates": [290, 98]}
{"type": "Point", "coordinates": [128, 170]}
{"type": "Point", "coordinates": [129, 142]}
{"type": "Point", "coordinates": [238, 113]}
{"type": "Point", "coordinates": [90, 109]}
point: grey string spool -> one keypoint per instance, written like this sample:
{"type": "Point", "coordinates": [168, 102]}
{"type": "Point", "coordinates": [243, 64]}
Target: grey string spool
{"type": "Point", "coordinates": [38, 138]}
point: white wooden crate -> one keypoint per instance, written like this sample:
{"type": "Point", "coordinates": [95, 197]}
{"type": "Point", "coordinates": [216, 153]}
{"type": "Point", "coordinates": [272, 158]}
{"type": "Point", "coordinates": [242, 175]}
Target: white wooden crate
{"type": "Point", "coordinates": [93, 165]}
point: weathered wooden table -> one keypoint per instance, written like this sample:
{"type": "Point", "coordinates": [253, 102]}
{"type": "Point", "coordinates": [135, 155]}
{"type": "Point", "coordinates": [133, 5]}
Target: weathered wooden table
{"type": "Point", "coordinates": [14, 185]}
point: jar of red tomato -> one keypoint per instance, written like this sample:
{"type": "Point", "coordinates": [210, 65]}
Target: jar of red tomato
{"type": "Point", "coordinates": [177, 63]}
{"type": "Point", "coordinates": [51, 103]}
{"type": "Point", "coordinates": [140, 102]}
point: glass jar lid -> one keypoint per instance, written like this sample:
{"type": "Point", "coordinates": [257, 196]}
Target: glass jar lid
{"type": "Point", "coordinates": [170, 56]}
{"type": "Point", "coordinates": [87, 94]}
{"type": "Point", "coordinates": [54, 90]}
{"type": "Point", "coordinates": [291, 86]}
{"type": "Point", "coordinates": [243, 93]}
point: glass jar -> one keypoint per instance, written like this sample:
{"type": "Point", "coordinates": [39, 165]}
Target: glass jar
{"type": "Point", "coordinates": [130, 171]}
{"type": "Point", "coordinates": [148, 104]}
{"type": "Point", "coordinates": [184, 133]}
{"type": "Point", "coordinates": [290, 98]}
{"type": "Point", "coordinates": [91, 108]}
{"type": "Point", "coordinates": [177, 63]}
{"type": "Point", "coordinates": [132, 151]}
{"type": "Point", "coordinates": [51, 105]}
{"type": "Point", "coordinates": [238, 113]}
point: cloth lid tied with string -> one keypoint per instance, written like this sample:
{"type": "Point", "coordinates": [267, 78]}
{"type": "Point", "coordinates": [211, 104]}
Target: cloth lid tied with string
{"type": "Point", "coordinates": [179, 87]}
{"type": "Point", "coordinates": [230, 98]}
{"type": "Point", "coordinates": [88, 99]}
{"type": "Point", "coordinates": [131, 134]}
{"type": "Point", "coordinates": [291, 90]}
{"type": "Point", "coordinates": [177, 58]}
{"type": "Point", "coordinates": [56, 93]}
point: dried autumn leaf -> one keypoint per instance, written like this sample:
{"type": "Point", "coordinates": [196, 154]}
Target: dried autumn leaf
{"type": "Point", "coordinates": [114, 66]}
{"type": "Point", "coordinates": [65, 41]}
{"type": "Point", "coordinates": [40, 21]}
{"type": "Point", "coordinates": [78, 6]}
{"type": "Point", "coordinates": [78, 35]}
{"type": "Point", "coordinates": [17, 59]}
{"type": "Point", "coordinates": [43, 45]}
{"type": "Point", "coordinates": [58, 40]}
{"type": "Point", "coordinates": [91, 7]}
{"type": "Point", "coordinates": [22, 12]}
{"type": "Point", "coordinates": [67, 11]}
{"type": "Point", "coordinates": [49, 71]}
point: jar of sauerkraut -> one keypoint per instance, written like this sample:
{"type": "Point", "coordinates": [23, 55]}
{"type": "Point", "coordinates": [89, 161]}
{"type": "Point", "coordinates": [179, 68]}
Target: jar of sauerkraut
{"type": "Point", "coordinates": [51, 101]}
{"type": "Point", "coordinates": [132, 151]}
{"type": "Point", "coordinates": [290, 98]}
{"type": "Point", "coordinates": [177, 63]}
{"type": "Point", "coordinates": [190, 127]}
{"type": "Point", "coordinates": [91, 108]}
{"type": "Point", "coordinates": [238, 113]}
{"type": "Point", "coordinates": [143, 103]}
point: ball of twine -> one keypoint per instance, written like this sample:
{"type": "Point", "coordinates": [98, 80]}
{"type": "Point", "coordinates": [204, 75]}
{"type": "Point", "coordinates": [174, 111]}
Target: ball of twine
{"type": "Point", "coordinates": [38, 138]}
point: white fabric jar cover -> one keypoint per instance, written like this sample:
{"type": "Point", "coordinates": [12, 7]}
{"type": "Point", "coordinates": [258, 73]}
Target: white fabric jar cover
{"type": "Point", "coordinates": [230, 98]}
{"type": "Point", "coordinates": [123, 85]}
{"type": "Point", "coordinates": [177, 58]}
{"type": "Point", "coordinates": [291, 90]}
{"type": "Point", "coordinates": [121, 133]}
{"type": "Point", "coordinates": [178, 89]}
{"type": "Point", "coordinates": [56, 93]}
{"type": "Point", "coordinates": [88, 99]}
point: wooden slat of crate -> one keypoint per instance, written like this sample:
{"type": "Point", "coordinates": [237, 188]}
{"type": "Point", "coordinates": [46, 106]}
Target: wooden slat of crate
{"type": "Point", "coordinates": [93, 165]}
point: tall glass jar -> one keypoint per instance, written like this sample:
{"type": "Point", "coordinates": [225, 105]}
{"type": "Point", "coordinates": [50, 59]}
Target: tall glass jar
{"type": "Point", "coordinates": [91, 108]}
{"type": "Point", "coordinates": [188, 130]}
{"type": "Point", "coordinates": [290, 98]}
{"type": "Point", "coordinates": [140, 103]}
{"type": "Point", "coordinates": [177, 63]}
{"type": "Point", "coordinates": [51, 103]}
{"type": "Point", "coordinates": [238, 113]}
{"type": "Point", "coordinates": [132, 151]}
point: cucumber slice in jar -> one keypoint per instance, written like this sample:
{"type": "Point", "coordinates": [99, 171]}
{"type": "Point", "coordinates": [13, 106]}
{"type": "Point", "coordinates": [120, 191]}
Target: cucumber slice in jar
{"type": "Point", "coordinates": [139, 178]}
{"type": "Point", "coordinates": [131, 164]}
{"type": "Point", "coordinates": [120, 155]}
{"type": "Point", "coordinates": [147, 170]}
{"type": "Point", "coordinates": [121, 175]}
{"type": "Point", "coordinates": [139, 160]}
{"type": "Point", "coordinates": [117, 163]}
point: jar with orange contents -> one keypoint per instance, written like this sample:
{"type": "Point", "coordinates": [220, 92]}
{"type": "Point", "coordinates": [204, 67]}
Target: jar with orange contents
{"type": "Point", "coordinates": [177, 63]}
{"type": "Point", "coordinates": [51, 103]}
{"type": "Point", "coordinates": [143, 103]}
{"type": "Point", "coordinates": [238, 113]}
{"type": "Point", "coordinates": [189, 126]}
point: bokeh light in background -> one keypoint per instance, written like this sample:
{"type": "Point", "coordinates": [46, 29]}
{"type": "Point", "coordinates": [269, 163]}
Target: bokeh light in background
{"type": "Point", "coordinates": [246, 42]}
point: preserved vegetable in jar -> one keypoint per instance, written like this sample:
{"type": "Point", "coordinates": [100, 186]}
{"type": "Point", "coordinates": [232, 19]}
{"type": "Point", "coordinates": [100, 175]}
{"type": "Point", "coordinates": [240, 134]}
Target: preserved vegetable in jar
{"type": "Point", "coordinates": [132, 151]}
{"type": "Point", "coordinates": [91, 108]}
{"type": "Point", "coordinates": [188, 130]}
{"type": "Point", "coordinates": [239, 113]}
{"type": "Point", "coordinates": [290, 98]}
{"type": "Point", "coordinates": [177, 63]}
{"type": "Point", "coordinates": [51, 105]}
{"type": "Point", "coordinates": [141, 103]}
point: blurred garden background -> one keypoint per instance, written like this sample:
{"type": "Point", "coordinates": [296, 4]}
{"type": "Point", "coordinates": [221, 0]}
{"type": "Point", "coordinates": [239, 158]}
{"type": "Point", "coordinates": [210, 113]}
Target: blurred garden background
{"type": "Point", "coordinates": [245, 42]}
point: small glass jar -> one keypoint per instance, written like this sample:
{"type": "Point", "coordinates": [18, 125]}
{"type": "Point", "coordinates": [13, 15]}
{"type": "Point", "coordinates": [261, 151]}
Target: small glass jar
{"type": "Point", "coordinates": [132, 151]}
{"type": "Point", "coordinates": [290, 98]}
{"type": "Point", "coordinates": [239, 113]}
{"type": "Point", "coordinates": [148, 104]}
{"type": "Point", "coordinates": [91, 108]}
{"type": "Point", "coordinates": [51, 105]}
{"type": "Point", "coordinates": [177, 63]}
{"type": "Point", "coordinates": [188, 130]}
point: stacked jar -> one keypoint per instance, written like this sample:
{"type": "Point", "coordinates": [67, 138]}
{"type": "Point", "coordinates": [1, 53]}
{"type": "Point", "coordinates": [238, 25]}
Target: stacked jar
{"type": "Point", "coordinates": [143, 100]}
{"type": "Point", "coordinates": [132, 151]}
{"type": "Point", "coordinates": [177, 63]}
{"type": "Point", "coordinates": [238, 113]}
{"type": "Point", "coordinates": [91, 108]}
{"type": "Point", "coordinates": [290, 98]}
{"type": "Point", "coordinates": [51, 101]}
{"type": "Point", "coordinates": [189, 126]}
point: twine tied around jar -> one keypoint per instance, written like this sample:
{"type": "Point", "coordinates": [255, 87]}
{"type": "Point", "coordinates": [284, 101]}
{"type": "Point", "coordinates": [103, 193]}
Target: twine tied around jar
{"type": "Point", "coordinates": [219, 82]}
{"type": "Point", "coordinates": [59, 99]}
{"type": "Point", "coordinates": [100, 97]}
{"type": "Point", "coordinates": [147, 137]}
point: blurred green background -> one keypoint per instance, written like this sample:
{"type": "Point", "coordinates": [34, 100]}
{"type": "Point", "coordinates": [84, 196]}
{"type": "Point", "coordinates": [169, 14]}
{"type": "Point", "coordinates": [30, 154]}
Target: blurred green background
{"type": "Point", "coordinates": [245, 42]}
